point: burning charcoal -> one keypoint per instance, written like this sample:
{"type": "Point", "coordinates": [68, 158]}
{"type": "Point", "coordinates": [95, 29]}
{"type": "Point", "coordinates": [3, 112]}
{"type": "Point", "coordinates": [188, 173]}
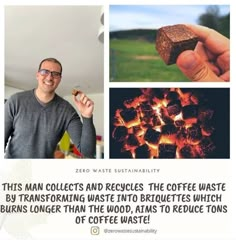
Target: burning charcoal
{"type": "Point", "coordinates": [159, 92]}
{"type": "Point", "coordinates": [143, 99]}
{"type": "Point", "coordinates": [194, 99]}
{"type": "Point", "coordinates": [129, 103]}
{"type": "Point", "coordinates": [120, 133]}
{"type": "Point", "coordinates": [205, 114]}
{"type": "Point", "coordinates": [179, 123]}
{"type": "Point", "coordinates": [152, 136]}
{"type": "Point", "coordinates": [117, 121]}
{"type": "Point", "coordinates": [190, 111]}
{"type": "Point", "coordinates": [146, 126]}
{"type": "Point", "coordinates": [206, 147]}
{"type": "Point", "coordinates": [142, 151]}
{"type": "Point", "coordinates": [167, 151]}
{"type": "Point", "coordinates": [172, 40]}
{"type": "Point", "coordinates": [165, 117]}
{"type": "Point", "coordinates": [174, 108]}
{"type": "Point", "coordinates": [182, 117]}
{"type": "Point", "coordinates": [194, 133]}
{"type": "Point", "coordinates": [207, 129]}
{"type": "Point", "coordinates": [146, 110]}
{"type": "Point", "coordinates": [154, 101]}
{"type": "Point", "coordinates": [181, 135]}
{"type": "Point", "coordinates": [165, 91]}
{"type": "Point", "coordinates": [146, 107]}
{"type": "Point", "coordinates": [146, 119]}
{"type": "Point", "coordinates": [125, 154]}
{"type": "Point", "coordinates": [168, 129]}
{"type": "Point", "coordinates": [147, 91]}
{"type": "Point", "coordinates": [172, 95]}
{"type": "Point", "coordinates": [156, 120]}
{"type": "Point", "coordinates": [187, 152]}
{"type": "Point", "coordinates": [130, 117]}
{"type": "Point", "coordinates": [137, 130]}
{"type": "Point", "coordinates": [128, 114]}
{"type": "Point", "coordinates": [132, 140]}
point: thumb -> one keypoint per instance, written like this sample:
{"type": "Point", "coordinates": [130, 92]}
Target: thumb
{"type": "Point", "coordinates": [191, 64]}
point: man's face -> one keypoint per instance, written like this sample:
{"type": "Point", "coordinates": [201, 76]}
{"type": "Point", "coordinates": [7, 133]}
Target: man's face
{"type": "Point", "coordinates": [48, 76]}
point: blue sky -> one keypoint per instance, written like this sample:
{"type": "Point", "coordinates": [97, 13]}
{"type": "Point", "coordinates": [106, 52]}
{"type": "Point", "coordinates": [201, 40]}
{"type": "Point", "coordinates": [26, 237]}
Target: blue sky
{"type": "Point", "coordinates": [124, 17]}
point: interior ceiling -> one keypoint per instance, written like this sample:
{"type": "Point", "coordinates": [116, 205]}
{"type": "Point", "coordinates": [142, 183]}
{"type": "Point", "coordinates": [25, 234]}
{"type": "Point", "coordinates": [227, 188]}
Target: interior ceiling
{"type": "Point", "coordinates": [67, 33]}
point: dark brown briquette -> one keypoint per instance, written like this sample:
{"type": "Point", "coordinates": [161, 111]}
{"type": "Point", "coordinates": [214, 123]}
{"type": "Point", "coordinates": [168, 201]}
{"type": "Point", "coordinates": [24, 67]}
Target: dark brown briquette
{"type": "Point", "coordinates": [167, 151]}
{"type": "Point", "coordinates": [129, 115]}
{"type": "Point", "coordinates": [173, 40]}
{"type": "Point", "coordinates": [152, 136]}
{"type": "Point", "coordinates": [142, 151]}
{"type": "Point", "coordinates": [120, 133]}
{"type": "Point", "coordinates": [174, 107]}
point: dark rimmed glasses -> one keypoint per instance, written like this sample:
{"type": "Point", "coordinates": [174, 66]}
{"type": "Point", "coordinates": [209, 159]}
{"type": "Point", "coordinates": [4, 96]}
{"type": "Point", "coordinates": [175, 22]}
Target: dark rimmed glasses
{"type": "Point", "coordinates": [54, 74]}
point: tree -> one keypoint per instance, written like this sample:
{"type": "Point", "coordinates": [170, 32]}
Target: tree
{"type": "Point", "coordinates": [214, 20]}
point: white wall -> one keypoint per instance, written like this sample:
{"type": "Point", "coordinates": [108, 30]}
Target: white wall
{"type": "Point", "coordinates": [10, 90]}
{"type": "Point", "coordinates": [98, 115]}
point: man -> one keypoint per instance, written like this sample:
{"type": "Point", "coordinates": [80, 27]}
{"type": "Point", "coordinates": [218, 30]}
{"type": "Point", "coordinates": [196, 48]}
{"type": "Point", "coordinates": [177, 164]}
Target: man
{"type": "Point", "coordinates": [36, 120]}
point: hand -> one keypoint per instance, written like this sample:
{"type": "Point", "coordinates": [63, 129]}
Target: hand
{"type": "Point", "coordinates": [210, 61]}
{"type": "Point", "coordinates": [84, 105]}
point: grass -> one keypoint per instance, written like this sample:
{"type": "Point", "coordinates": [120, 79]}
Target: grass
{"type": "Point", "coordinates": [138, 61]}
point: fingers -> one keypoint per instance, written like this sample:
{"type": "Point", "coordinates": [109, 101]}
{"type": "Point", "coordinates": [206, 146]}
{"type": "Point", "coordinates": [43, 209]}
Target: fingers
{"type": "Point", "coordinates": [208, 57]}
{"type": "Point", "coordinates": [204, 52]}
{"type": "Point", "coordinates": [84, 104]}
{"type": "Point", "coordinates": [195, 68]}
{"type": "Point", "coordinates": [211, 61]}
{"type": "Point", "coordinates": [85, 100]}
{"type": "Point", "coordinates": [225, 76]}
{"type": "Point", "coordinates": [213, 40]}
{"type": "Point", "coordinates": [223, 61]}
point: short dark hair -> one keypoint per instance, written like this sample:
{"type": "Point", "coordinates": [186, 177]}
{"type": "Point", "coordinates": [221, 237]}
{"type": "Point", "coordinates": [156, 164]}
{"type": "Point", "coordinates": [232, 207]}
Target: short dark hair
{"type": "Point", "coordinates": [51, 60]}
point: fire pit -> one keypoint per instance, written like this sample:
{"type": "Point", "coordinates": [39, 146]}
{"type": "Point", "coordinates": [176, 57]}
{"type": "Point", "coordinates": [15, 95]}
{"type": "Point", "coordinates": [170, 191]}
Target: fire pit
{"type": "Point", "coordinates": [169, 123]}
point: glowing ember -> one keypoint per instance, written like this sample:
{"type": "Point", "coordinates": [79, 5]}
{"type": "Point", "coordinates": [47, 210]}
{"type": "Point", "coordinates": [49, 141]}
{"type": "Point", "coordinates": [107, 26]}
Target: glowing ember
{"type": "Point", "coordinates": [172, 124]}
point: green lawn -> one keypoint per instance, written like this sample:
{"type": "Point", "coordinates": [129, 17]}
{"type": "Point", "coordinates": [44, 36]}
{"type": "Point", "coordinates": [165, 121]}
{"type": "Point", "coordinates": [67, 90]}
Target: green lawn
{"type": "Point", "coordinates": [138, 61]}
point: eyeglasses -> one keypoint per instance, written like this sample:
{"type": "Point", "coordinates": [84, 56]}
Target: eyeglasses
{"type": "Point", "coordinates": [45, 72]}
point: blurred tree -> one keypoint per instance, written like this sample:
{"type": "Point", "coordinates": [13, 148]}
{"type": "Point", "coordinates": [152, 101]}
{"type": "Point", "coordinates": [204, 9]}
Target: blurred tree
{"type": "Point", "coordinates": [214, 20]}
{"type": "Point", "coordinates": [210, 18]}
{"type": "Point", "coordinates": [224, 26]}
